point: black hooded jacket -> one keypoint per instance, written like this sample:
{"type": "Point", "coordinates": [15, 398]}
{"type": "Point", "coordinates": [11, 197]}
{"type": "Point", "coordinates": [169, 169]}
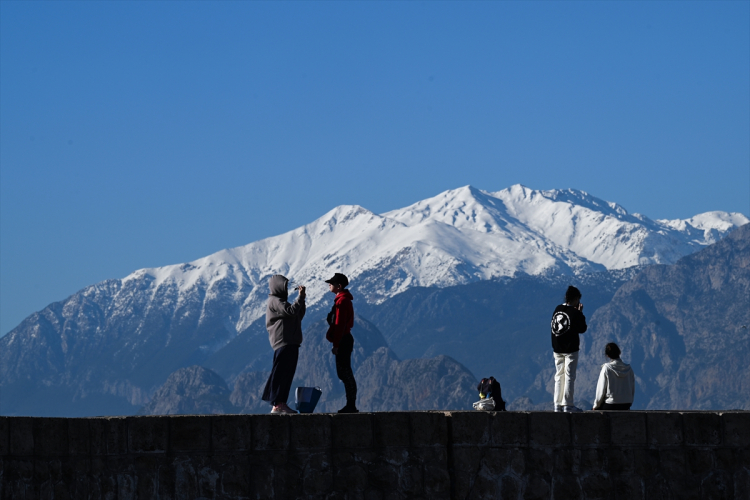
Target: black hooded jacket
{"type": "Point", "coordinates": [283, 320]}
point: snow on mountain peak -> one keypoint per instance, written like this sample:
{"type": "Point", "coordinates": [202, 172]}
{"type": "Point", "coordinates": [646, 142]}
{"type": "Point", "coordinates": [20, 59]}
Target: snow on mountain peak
{"type": "Point", "coordinates": [458, 236]}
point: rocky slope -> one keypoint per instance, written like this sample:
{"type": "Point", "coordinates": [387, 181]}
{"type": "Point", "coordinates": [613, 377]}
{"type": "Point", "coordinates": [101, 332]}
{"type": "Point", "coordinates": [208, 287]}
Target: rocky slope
{"type": "Point", "coordinates": [384, 382]}
{"type": "Point", "coordinates": [684, 328]}
{"type": "Point", "coordinates": [107, 348]}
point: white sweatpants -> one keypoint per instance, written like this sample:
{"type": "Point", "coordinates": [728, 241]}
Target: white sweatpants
{"type": "Point", "coordinates": [565, 377]}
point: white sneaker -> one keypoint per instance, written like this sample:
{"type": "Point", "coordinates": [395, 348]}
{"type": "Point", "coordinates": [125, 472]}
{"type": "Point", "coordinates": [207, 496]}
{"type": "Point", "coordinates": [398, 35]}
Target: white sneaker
{"type": "Point", "coordinates": [282, 408]}
{"type": "Point", "coordinates": [572, 409]}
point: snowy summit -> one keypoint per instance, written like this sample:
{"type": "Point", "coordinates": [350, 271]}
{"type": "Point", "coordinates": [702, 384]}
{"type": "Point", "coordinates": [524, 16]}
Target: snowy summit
{"type": "Point", "coordinates": [456, 237]}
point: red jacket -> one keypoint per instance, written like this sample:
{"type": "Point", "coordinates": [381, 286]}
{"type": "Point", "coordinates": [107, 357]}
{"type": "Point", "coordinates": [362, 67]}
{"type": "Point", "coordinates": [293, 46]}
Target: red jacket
{"type": "Point", "coordinates": [341, 319]}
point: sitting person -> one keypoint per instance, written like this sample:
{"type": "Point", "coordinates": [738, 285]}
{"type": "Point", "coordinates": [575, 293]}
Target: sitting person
{"type": "Point", "coordinates": [616, 385]}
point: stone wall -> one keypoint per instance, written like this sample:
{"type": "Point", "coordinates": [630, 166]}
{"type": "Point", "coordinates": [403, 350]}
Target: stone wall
{"type": "Point", "coordinates": [428, 455]}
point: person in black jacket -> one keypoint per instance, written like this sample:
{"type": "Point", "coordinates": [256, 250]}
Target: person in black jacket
{"type": "Point", "coordinates": [568, 322]}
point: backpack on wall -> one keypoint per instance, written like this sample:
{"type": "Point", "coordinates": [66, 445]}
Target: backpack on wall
{"type": "Point", "coordinates": [491, 395]}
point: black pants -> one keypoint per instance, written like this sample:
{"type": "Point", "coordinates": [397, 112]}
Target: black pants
{"type": "Point", "coordinates": [619, 406]}
{"type": "Point", "coordinates": [280, 381]}
{"type": "Point", "coordinates": [344, 368]}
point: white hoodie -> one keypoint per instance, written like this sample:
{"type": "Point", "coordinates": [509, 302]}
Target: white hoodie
{"type": "Point", "coordinates": [616, 384]}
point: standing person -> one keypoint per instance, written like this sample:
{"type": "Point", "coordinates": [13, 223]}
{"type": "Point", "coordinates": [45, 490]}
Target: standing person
{"type": "Point", "coordinates": [284, 325]}
{"type": "Point", "coordinates": [616, 387]}
{"type": "Point", "coordinates": [340, 323]}
{"type": "Point", "coordinates": [568, 322]}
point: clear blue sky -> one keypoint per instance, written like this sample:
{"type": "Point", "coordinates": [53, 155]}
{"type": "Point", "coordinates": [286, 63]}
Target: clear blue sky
{"type": "Point", "coordinates": [141, 134]}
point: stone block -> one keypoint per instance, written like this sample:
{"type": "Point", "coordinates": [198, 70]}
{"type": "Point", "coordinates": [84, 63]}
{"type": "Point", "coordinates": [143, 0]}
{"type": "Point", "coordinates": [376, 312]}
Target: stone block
{"type": "Point", "coordinates": [664, 429]}
{"type": "Point", "coordinates": [146, 470]}
{"type": "Point", "coordinates": [50, 437]}
{"type": "Point", "coordinates": [189, 433]}
{"type": "Point", "coordinates": [148, 434]}
{"type": "Point", "coordinates": [699, 460]}
{"type": "Point", "coordinates": [317, 475]}
{"type": "Point", "coordinates": [627, 428]}
{"type": "Point", "coordinates": [627, 487]}
{"type": "Point", "coordinates": [509, 428]}
{"type": "Point", "coordinates": [509, 487]}
{"type": "Point", "coordinates": [497, 461]}
{"type": "Point", "coordinates": [467, 459]}
{"type": "Point", "coordinates": [271, 432]}
{"type": "Point", "coordinates": [109, 436]}
{"type": "Point", "coordinates": [590, 428]}
{"type": "Point", "coordinates": [231, 432]}
{"type": "Point", "coordinates": [22, 436]}
{"type": "Point", "coordinates": [736, 429]}
{"type": "Point", "coordinates": [672, 464]}
{"type": "Point", "coordinates": [411, 480]}
{"type": "Point", "coordinates": [742, 483]}
{"type": "Point", "coordinates": [596, 486]}
{"type": "Point", "coordinates": [311, 431]}
{"type": "Point", "coordinates": [351, 479]}
{"type": "Point", "coordinates": [540, 460]}
{"type": "Point", "coordinates": [657, 488]}
{"type": "Point", "coordinates": [567, 462]}
{"type": "Point", "coordinates": [592, 460]}
{"type": "Point", "coordinates": [566, 486]}
{"type": "Point", "coordinates": [428, 429]}
{"type": "Point", "coordinates": [538, 487]}
{"type": "Point", "coordinates": [549, 429]}
{"type": "Point", "coordinates": [469, 428]}
{"type": "Point", "coordinates": [717, 484]}
{"type": "Point", "coordinates": [4, 434]}
{"type": "Point", "coordinates": [702, 429]}
{"type": "Point", "coordinates": [645, 461]}
{"type": "Point", "coordinates": [383, 475]}
{"type": "Point", "coordinates": [79, 440]}
{"type": "Point", "coordinates": [391, 429]}
{"type": "Point", "coordinates": [351, 430]}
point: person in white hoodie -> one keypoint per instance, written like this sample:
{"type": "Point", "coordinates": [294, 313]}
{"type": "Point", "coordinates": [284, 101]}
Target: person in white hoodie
{"type": "Point", "coordinates": [616, 386]}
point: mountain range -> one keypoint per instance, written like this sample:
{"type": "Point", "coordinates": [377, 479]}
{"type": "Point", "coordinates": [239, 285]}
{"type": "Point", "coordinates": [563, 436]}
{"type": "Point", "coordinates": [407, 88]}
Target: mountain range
{"type": "Point", "coordinates": [465, 253]}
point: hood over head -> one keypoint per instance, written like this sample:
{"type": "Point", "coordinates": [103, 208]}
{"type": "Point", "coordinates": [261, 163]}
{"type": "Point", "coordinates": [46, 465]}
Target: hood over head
{"type": "Point", "coordinates": [619, 368]}
{"type": "Point", "coordinates": [277, 286]}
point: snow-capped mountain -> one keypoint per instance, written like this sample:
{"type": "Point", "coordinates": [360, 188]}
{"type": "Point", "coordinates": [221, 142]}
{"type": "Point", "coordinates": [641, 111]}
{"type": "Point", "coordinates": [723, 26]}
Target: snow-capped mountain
{"type": "Point", "coordinates": [456, 237]}
{"type": "Point", "coordinates": [106, 348]}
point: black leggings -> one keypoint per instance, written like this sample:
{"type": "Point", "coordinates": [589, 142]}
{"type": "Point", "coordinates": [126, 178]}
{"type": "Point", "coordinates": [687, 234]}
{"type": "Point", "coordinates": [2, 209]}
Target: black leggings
{"type": "Point", "coordinates": [344, 368]}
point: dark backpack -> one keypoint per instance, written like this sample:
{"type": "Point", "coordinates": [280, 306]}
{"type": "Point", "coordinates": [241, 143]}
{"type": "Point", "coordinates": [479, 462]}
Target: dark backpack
{"type": "Point", "coordinates": [490, 388]}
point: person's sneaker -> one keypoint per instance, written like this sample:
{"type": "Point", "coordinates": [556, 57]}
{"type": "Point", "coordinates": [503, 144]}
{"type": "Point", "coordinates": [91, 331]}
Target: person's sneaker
{"type": "Point", "coordinates": [572, 409]}
{"type": "Point", "coordinates": [349, 409]}
{"type": "Point", "coordinates": [559, 408]}
{"type": "Point", "coordinates": [282, 408]}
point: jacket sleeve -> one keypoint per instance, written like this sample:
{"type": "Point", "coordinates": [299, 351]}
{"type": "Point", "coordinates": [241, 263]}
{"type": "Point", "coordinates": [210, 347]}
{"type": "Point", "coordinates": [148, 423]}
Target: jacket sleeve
{"type": "Point", "coordinates": [287, 310]}
{"type": "Point", "coordinates": [601, 389]}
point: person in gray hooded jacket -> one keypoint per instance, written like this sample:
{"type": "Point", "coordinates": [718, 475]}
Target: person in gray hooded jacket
{"type": "Point", "coordinates": [616, 386]}
{"type": "Point", "coordinates": [284, 325]}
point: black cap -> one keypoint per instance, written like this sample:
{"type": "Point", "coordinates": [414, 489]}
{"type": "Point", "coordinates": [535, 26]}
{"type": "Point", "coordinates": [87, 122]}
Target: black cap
{"type": "Point", "coordinates": [339, 279]}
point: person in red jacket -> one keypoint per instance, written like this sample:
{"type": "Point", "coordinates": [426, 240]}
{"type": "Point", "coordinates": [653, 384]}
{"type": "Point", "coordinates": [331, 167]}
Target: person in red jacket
{"type": "Point", "coordinates": [340, 323]}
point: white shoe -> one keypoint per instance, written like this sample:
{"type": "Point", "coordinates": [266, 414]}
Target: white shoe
{"type": "Point", "coordinates": [559, 408]}
{"type": "Point", "coordinates": [572, 409]}
{"type": "Point", "coordinates": [282, 408]}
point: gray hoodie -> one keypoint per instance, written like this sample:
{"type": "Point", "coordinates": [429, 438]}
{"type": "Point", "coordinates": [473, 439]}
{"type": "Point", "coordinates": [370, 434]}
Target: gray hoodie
{"type": "Point", "coordinates": [616, 384]}
{"type": "Point", "coordinates": [283, 320]}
